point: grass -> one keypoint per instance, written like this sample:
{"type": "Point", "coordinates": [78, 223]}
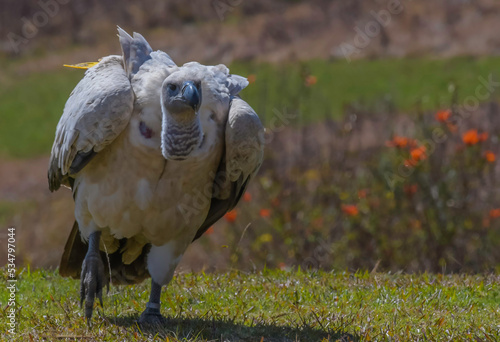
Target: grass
{"type": "Point", "coordinates": [270, 306]}
{"type": "Point", "coordinates": [31, 105]}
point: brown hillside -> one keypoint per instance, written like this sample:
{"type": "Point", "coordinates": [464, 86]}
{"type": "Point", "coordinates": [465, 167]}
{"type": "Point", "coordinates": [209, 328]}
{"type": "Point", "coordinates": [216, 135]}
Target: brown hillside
{"type": "Point", "coordinates": [224, 30]}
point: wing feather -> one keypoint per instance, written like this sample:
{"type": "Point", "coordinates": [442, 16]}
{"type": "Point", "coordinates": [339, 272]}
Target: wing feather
{"type": "Point", "coordinates": [244, 152]}
{"type": "Point", "coordinates": [97, 111]}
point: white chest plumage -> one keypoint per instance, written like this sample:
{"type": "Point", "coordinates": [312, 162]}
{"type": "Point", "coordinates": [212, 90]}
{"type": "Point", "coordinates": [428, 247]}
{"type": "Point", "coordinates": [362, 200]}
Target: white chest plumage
{"type": "Point", "coordinates": [130, 190]}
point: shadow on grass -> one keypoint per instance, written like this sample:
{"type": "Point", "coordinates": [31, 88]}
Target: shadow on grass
{"type": "Point", "coordinates": [207, 329]}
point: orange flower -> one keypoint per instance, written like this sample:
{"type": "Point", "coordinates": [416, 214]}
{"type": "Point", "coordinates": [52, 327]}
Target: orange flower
{"type": "Point", "coordinates": [251, 78]}
{"type": "Point", "coordinates": [418, 154]}
{"type": "Point", "coordinates": [470, 137]}
{"type": "Point", "coordinates": [412, 143]}
{"type": "Point", "coordinates": [398, 141]}
{"type": "Point", "coordinates": [247, 197]}
{"type": "Point", "coordinates": [490, 156]}
{"type": "Point", "coordinates": [483, 136]}
{"type": "Point", "coordinates": [350, 209]}
{"type": "Point", "coordinates": [231, 216]}
{"type": "Point", "coordinates": [265, 213]}
{"type": "Point", "coordinates": [443, 115]}
{"type": "Point", "coordinates": [210, 230]}
{"type": "Point", "coordinates": [410, 189]}
{"type": "Point", "coordinates": [362, 193]}
{"type": "Point", "coordinates": [311, 80]}
{"type": "Point", "coordinates": [495, 213]}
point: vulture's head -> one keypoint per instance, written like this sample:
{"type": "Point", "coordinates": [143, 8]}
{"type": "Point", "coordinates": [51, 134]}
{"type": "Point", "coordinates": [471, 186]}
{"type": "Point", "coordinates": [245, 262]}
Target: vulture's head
{"type": "Point", "coordinates": [181, 97]}
{"type": "Point", "coordinates": [188, 95]}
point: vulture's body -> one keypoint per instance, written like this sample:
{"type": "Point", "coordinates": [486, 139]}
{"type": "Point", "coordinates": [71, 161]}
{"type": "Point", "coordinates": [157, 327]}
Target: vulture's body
{"type": "Point", "coordinates": [154, 154]}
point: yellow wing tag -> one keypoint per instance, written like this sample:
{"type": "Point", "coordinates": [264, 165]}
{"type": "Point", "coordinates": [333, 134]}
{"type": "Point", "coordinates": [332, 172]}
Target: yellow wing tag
{"type": "Point", "coordinates": [85, 65]}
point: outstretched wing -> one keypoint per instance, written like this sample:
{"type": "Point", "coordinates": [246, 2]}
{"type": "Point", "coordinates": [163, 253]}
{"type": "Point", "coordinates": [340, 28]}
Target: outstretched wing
{"type": "Point", "coordinates": [97, 111]}
{"type": "Point", "coordinates": [244, 151]}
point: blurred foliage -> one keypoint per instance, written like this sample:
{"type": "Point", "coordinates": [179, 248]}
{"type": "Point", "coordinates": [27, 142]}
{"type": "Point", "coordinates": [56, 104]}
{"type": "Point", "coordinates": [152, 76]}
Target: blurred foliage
{"type": "Point", "coordinates": [378, 191]}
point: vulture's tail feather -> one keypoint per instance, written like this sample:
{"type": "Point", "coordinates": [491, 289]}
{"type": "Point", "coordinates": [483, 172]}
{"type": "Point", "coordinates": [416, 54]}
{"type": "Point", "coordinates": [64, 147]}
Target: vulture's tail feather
{"type": "Point", "coordinates": [74, 253]}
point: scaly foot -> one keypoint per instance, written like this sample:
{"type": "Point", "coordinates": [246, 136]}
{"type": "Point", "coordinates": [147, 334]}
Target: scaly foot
{"type": "Point", "coordinates": [152, 317]}
{"type": "Point", "coordinates": [92, 277]}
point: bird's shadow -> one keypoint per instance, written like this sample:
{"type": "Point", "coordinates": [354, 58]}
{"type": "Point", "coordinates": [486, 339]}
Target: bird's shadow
{"type": "Point", "coordinates": [221, 330]}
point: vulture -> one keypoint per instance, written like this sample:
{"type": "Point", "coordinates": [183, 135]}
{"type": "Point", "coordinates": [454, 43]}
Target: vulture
{"type": "Point", "coordinates": [154, 154]}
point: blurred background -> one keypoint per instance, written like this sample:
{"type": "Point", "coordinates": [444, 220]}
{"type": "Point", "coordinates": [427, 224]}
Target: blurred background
{"type": "Point", "coordinates": [382, 123]}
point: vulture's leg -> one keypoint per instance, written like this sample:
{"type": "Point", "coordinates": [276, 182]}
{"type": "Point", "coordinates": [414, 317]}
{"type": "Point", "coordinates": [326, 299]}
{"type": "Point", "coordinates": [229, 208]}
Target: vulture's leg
{"type": "Point", "coordinates": [162, 261]}
{"type": "Point", "coordinates": [92, 277]}
{"type": "Point", "coordinates": [152, 313]}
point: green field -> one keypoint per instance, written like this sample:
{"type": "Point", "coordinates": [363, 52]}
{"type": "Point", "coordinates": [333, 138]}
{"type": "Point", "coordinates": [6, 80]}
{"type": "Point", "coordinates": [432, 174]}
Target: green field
{"type": "Point", "coordinates": [30, 105]}
{"type": "Point", "coordinates": [273, 305]}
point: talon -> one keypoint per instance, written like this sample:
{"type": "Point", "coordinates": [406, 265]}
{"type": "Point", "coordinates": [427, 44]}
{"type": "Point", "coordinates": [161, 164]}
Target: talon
{"type": "Point", "coordinates": [92, 277]}
{"type": "Point", "coordinates": [152, 317]}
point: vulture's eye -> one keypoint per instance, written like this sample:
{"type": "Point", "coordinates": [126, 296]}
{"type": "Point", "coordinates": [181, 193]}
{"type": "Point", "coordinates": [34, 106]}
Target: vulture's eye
{"type": "Point", "coordinates": [172, 87]}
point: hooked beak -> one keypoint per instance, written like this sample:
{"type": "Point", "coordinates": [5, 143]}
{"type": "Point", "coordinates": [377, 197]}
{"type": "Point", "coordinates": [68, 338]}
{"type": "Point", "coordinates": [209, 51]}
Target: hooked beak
{"type": "Point", "coordinates": [191, 95]}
